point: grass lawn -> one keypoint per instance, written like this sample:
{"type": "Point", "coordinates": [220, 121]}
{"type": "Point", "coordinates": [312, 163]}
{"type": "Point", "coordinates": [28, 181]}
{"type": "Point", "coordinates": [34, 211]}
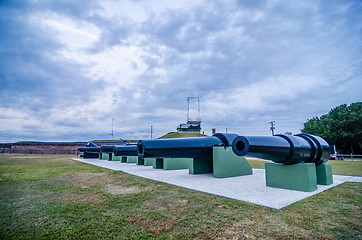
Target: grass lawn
{"type": "Point", "coordinates": [54, 197]}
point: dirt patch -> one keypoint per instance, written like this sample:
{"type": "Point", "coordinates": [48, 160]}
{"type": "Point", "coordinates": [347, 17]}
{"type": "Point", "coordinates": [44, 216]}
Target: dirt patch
{"type": "Point", "coordinates": [223, 206]}
{"type": "Point", "coordinates": [154, 226]}
{"type": "Point", "coordinates": [84, 180]}
{"type": "Point", "coordinates": [247, 229]}
{"type": "Point", "coordinates": [94, 199]}
{"type": "Point", "coordinates": [270, 227]}
{"type": "Point", "coordinates": [118, 189]}
{"type": "Point", "coordinates": [182, 201]}
{"type": "Point", "coordinates": [166, 203]}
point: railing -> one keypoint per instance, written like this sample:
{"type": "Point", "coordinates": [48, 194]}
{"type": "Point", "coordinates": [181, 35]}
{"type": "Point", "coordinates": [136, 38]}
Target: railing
{"type": "Point", "coordinates": [341, 156]}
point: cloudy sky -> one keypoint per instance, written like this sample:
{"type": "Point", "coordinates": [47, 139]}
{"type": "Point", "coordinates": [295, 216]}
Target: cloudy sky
{"type": "Point", "coordinates": [68, 67]}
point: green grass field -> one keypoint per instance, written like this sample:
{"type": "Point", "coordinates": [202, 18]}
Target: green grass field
{"type": "Point", "coordinates": [182, 135]}
{"type": "Point", "coordinates": [54, 197]}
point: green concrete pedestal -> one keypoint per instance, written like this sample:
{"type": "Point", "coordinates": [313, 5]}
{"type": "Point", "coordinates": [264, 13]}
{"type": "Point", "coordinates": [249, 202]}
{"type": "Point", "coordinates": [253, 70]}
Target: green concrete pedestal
{"type": "Point", "coordinates": [140, 161]}
{"type": "Point", "coordinates": [104, 156]}
{"type": "Point", "coordinates": [132, 159]}
{"type": "Point", "coordinates": [300, 177]}
{"type": "Point", "coordinates": [107, 156]}
{"type": "Point", "coordinates": [158, 163]}
{"type": "Point", "coordinates": [116, 158]}
{"type": "Point", "coordinates": [123, 159]}
{"type": "Point", "coordinates": [200, 165]}
{"type": "Point", "coordinates": [227, 164]}
{"type": "Point", "coordinates": [324, 174]}
{"type": "Point", "coordinates": [223, 163]}
{"type": "Point", "coordinates": [149, 161]}
{"type": "Point", "coordinates": [176, 163]}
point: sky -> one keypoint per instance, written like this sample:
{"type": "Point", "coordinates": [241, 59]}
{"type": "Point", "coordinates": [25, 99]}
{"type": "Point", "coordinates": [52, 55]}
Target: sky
{"type": "Point", "coordinates": [67, 68]}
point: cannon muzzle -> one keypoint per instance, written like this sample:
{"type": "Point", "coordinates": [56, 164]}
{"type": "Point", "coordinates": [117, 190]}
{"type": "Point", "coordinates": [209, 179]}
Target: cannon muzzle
{"type": "Point", "coordinates": [284, 149]}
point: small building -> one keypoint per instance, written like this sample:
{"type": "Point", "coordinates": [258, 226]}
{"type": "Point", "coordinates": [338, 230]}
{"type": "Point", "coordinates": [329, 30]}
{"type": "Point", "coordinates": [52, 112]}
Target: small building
{"type": "Point", "coordinates": [190, 127]}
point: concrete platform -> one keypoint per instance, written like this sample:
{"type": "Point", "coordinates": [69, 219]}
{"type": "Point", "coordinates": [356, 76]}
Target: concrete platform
{"type": "Point", "coordinates": [250, 188]}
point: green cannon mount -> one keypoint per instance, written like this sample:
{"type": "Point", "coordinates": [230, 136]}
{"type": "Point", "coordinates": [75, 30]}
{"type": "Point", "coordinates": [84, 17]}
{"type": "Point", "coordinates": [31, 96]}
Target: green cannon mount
{"type": "Point", "coordinates": [223, 163]}
{"type": "Point", "coordinates": [301, 177]}
{"type": "Point", "coordinates": [109, 157]}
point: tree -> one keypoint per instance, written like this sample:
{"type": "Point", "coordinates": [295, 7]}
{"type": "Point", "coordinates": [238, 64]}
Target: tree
{"type": "Point", "coordinates": [342, 127]}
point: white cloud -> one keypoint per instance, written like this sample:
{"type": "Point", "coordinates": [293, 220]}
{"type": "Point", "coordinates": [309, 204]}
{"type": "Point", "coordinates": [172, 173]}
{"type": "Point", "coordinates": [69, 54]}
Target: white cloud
{"type": "Point", "coordinates": [79, 65]}
{"type": "Point", "coordinates": [73, 34]}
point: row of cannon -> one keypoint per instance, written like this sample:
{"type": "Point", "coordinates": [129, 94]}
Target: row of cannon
{"type": "Point", "coordinates": [282, 149]}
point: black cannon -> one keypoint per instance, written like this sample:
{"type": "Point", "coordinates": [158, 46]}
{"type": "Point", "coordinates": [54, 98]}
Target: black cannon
{"type": "Point", "coordinates": [126, 150]}
{"type": "Point", "coordinates": [284, 149]}
{"type": "Point", "coordinates": [107, 148]}
{"type": "Point", "coordinates": [90, 151]}
{"type": "Point", "coordinates": [196, 147]}
{"type": "Point", "coordinates": [280, 148]}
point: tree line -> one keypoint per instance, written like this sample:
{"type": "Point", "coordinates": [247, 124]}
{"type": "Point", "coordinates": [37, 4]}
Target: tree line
{"type": "Point", "coordinates": [342, 127]}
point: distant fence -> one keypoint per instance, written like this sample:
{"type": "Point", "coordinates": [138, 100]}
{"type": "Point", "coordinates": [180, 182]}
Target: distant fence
{"type": "Point", "coordinates": [39, 148]}
{"type": "Point", "coordinates": [5, 146]}
{"type": "Point", "coordinates": [46, 147]}
{"type": "Point", "coordinates": [342, 156]}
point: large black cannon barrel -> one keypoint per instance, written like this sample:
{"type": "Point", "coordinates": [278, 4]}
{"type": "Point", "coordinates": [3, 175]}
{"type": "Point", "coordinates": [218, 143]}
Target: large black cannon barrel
{"type": "Point", "coordinates": [280, 149]}
{"type": "Point", "coordinates": [111, 148]}
{"type": "Point", "coordinates": [107, 148]}
{"type": "Point", "coordinates": [82, 149]}
{"type": "Point", "coordinates": [90, 152]}
{"type": "Point", "coordinates": [89, 149]}
{"type": "Point", "coordinates": [126, 150]}
{"type": "Point", "coordinates": [195, 147]}
{"type": "Point", "coordinates": [284, 149]}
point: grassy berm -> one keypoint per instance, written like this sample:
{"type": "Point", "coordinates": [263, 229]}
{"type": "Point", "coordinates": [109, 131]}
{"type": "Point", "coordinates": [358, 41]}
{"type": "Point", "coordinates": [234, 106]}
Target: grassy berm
{"type": "Point", "coordinates": [54, 197]}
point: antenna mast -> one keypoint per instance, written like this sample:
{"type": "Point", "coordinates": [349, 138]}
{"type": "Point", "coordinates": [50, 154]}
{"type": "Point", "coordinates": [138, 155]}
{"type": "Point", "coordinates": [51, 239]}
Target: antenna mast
{"type": "Point", "coordinates": [112, 129]}
{"type": "Point", "coordinates": [198, 108]}
{"type": "Point", "coordinates": [272, 127]}
{"type": "Point", "coordinates": [188, 107]}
